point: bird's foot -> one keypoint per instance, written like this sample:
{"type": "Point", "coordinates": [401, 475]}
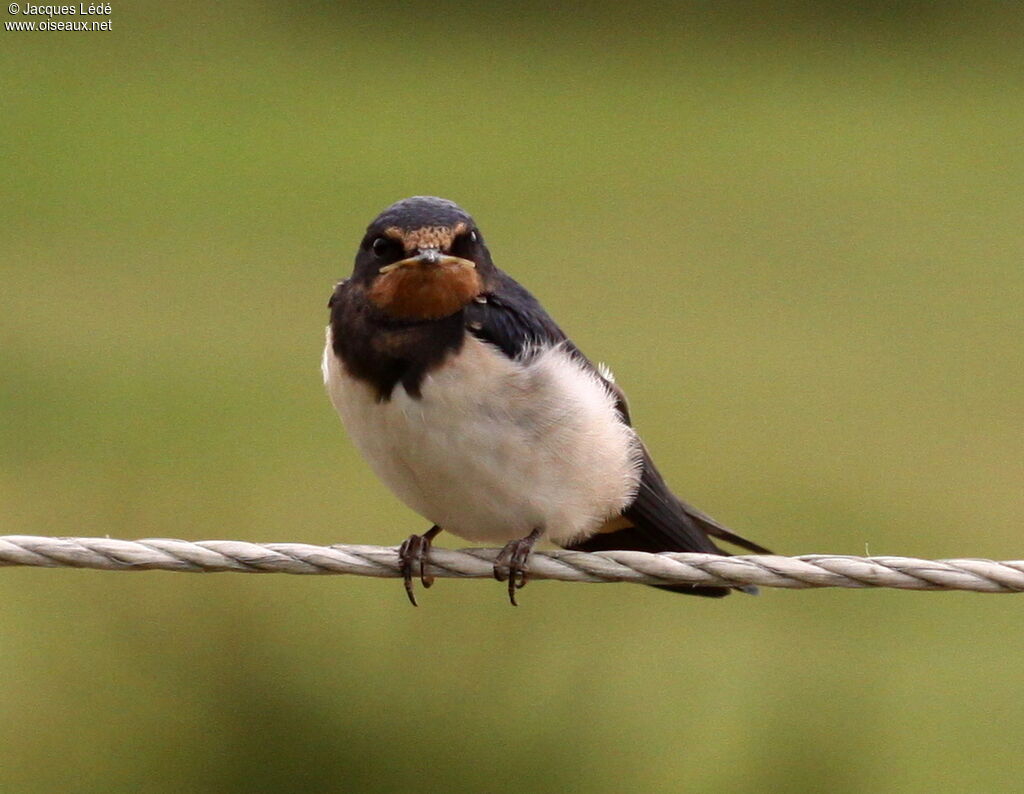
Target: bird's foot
{"type": "Point", "coordinates": [412, 557]}
{"type": "Point", "coordinates": [510, 564]}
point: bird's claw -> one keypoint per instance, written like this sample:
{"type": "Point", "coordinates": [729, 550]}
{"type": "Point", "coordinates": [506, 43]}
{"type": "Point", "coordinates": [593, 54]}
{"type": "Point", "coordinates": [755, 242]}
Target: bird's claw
{"type": "Point", "coordinates": [412, 560]}
{"type": "Point", "coordinates": [511, 564]}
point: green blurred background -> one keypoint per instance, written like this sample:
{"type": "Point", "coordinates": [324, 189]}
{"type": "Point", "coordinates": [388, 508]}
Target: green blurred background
{"type": "Point", "coordinates": [796, 232]}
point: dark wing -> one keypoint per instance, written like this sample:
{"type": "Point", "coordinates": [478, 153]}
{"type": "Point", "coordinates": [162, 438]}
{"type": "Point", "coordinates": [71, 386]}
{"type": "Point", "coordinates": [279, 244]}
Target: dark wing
{"type": "Point", "coordinates": [657, 520]}
{"type": "Point", "coordinates": [512, 320]}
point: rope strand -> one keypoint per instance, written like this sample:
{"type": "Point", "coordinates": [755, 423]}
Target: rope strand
{"type": "Point", "coordinates": [763, 570]}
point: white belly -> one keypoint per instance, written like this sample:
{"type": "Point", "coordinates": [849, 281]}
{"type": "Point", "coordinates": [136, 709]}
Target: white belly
{"type": "Point", "coordinates": [496, 448]}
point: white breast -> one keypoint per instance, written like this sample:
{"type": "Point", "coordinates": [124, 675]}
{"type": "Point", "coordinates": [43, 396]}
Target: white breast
{"type": "Point", "coordinates": [496, 448]}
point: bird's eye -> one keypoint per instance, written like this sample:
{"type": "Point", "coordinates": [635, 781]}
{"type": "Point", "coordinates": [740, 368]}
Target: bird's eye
{"type": "Point", "coordinates": [380, 246]}
{"type": "Point", "coordinates": [465, 244]}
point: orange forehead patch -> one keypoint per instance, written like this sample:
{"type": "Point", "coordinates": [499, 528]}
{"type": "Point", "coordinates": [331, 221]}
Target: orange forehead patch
{"type": "Point", "coordinates": [440, 237]}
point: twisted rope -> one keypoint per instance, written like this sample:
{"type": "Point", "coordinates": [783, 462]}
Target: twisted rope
{"type": "Point", "coordinates": [806, 571]}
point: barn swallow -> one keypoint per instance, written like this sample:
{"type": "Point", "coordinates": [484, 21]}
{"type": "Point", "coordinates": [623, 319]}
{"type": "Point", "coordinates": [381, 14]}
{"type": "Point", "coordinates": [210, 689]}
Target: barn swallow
{"type": "Point", "coordinates": [481, 415]}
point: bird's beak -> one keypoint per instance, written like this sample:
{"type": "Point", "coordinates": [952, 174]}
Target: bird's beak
{"type": "Point", "coordinates": [428, 257]}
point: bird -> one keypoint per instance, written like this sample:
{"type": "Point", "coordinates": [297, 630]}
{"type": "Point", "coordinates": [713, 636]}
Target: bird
{"type": "Point", "coordinates": [480, 414]}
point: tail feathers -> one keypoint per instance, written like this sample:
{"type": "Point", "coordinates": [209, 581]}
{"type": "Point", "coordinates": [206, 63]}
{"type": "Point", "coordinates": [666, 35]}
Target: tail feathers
{"type": "Point", "coordinates": [657, 521]}
{"type": "Point", "coordinates": [696, 589]}
{"type": "Point", "coordinates": [713, 528]}
{"type": "Point", "coordinates": [704, 590]}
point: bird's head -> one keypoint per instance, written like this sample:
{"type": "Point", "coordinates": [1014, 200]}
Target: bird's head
{"type": "Point", "coordinates": [422, 259]}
